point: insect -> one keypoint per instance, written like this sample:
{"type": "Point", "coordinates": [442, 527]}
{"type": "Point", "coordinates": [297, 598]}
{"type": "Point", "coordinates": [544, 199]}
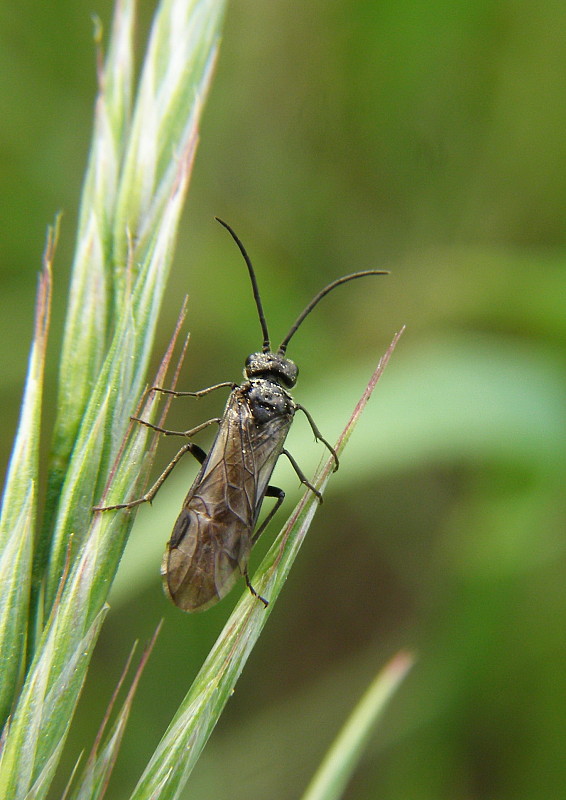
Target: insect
{"type": "Point", "coordinates": [214, 534]}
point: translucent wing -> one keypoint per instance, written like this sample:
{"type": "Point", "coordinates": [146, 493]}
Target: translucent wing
{"type": "Point", "coordinates": [212, 538]}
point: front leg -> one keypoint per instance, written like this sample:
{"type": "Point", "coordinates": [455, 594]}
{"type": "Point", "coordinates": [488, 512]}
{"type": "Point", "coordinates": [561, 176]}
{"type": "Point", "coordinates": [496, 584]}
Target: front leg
{"type": "Point", "coordinates": [318, 435]}
{"type": "Point", "coordinates": [200, 393]}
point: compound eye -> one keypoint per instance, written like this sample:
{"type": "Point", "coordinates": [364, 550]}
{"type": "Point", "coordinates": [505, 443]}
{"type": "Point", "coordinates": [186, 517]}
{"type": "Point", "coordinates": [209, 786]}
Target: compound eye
{"type": "Point", "coordinates": [258, 364]}
{"type": "Point", "coordinates": [289, 373]}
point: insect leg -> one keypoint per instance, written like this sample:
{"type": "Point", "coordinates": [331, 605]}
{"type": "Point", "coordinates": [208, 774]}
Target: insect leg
{"type": "Point", "coordinates": [252, 590]}
{"type": "Point", "coordinates": [271, 491]}
{"type": "Point", "coordinates": [318, 435]}
{"type": "Point", "coordinates": [166, 432]}
{"type": "Point", "coordinates": [301, 475]}
{"type": "Point", "coordinates": [200, 393]}
{"type": "Point", "coordinates": [189, 447]}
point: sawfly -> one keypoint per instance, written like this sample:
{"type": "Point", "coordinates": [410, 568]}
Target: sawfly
{"type": "Point", "coordinates": [214, 534]}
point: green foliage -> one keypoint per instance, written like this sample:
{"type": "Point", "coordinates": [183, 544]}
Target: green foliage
{"type": "Point", "coordinates": [117, 285]}
{"type": "Point", "coordinates": [426, 139]}
{"type": "Point", "coordinates": [19, 509]}
{"type": "Point", "coordinates": [132, 198]}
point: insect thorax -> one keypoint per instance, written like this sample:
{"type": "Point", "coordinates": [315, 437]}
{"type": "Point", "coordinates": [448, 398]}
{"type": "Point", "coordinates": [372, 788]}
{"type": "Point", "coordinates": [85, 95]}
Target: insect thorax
{"type": "Point", "coordinates": [268, 400]}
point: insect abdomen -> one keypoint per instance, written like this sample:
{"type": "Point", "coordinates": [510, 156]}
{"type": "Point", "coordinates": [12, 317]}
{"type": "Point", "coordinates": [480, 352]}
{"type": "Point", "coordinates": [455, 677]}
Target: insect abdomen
{"type": "Point", "coordinates": [204, 558]}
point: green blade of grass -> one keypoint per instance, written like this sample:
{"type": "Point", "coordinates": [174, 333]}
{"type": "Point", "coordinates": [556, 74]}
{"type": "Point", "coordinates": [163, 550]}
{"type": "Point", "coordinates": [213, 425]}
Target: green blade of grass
{"type": "Point", "coordinates": [93, 782]}
{"type": "Point", "coordinates": [125, 266]}
{"type": "Point", "coordinates": [331, 779]}
{"type": "Point", "coordinates": [31, 751]}
{"type": "Point", "coordinates": [106, 418]}
{"type": "Point", "coordinates": [181, 54]}
{"type": "Point", "coordinates": [85, 549]}
{"type": "Point", "coordinates": [89, 316]}
{"type": "Point", "coordinates": [18, 519]}
{"type": "Point", "coordinates": [178, 751]}
{"type": "Point", "coordinates": [50, 692]}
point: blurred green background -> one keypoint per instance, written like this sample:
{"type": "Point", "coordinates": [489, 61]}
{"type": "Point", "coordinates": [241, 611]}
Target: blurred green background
{"type": "Point", "coordinates": [428, 139]}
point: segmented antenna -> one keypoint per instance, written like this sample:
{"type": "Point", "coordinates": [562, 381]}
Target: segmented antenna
{"type": "Point", "coordinates": [266, 341]}
{"type": "Point", "coordinates": [318, 298]}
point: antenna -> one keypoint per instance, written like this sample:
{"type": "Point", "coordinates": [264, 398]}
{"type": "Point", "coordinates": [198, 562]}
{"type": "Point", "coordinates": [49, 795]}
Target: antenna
{"type": "Point", "coordinates": [266, 341]}
{"type": "Point", "coordinates": [318, 298]}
